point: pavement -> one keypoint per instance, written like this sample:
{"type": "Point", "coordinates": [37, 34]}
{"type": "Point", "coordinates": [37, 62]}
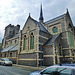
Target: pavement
{"type": "Point", "coordinates": [30, 67]}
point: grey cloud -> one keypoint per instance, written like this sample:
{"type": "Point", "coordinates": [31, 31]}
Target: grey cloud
{"type": "Point", "coordinates": [17, 11]}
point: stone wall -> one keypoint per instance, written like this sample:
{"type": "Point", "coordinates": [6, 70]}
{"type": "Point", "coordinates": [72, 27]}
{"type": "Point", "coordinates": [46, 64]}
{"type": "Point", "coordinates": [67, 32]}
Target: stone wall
{"type": "Point", "coordinates": [28, 59]}
{"type": "Point", "coordinates": [48, 61]}
{"type": "Point", "coordinates": [27, 63]}
{"type": "Point", "coordinates": [27, 56]}
{"type": "Point", "coordinates": [57, 23]}
{"type": "Point", "coordinates": [43, 37]}
{"type": "Point", "coordinates": [48, 51]}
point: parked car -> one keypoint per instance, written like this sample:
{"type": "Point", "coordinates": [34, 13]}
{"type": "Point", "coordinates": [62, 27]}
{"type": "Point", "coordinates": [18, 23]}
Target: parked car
{"type": "Point", "coordinates": [5, 61]}
{"type": "Point", "coordinates": [56, 70]}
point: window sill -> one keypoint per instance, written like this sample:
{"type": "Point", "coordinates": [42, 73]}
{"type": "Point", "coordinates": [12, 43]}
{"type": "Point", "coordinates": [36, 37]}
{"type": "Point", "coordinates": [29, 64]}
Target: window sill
{"type": "Point", "coordinates": [29, 51]}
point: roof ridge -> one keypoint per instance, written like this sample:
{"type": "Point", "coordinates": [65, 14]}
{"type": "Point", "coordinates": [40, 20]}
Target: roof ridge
{"type": "Point", "coordinates": [40, 24]}
{"type": "Point", "coordinates": [50, 40]}
{"type": "Point", "coordinates": [56, 37]}
{"type": "Point", "coordinates": [55, 18]}
{"type": "Point", "coordinates": [13, 47]}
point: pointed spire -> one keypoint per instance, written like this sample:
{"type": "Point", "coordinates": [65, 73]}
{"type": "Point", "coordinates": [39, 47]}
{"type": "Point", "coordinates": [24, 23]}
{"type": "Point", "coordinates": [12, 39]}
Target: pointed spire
{"type": "Point", "coordinates": [29, 14]}
{"type": "Point", "coordinates": [67, 10]}
{"type": "Point", "coordinates": [41, 15]}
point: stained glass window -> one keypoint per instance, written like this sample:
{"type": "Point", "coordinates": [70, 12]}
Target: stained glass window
{"type": "Point", "coordinates": [15, 41]}
{"type": "Point", "coordinates": [24, 42]}
{"type": "Point", "coordinates": [55, 29]}
{"type": "Point", "coordinates": [32, 41]}
{"type": "Point", "coordinates": [71, 39]}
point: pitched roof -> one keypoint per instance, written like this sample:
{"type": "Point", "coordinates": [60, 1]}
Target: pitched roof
{"type": "Point", "coordinates": [50, 41]}
{"type": "Point", "coordinates": [17, 35]}
{"type": "Point", "coordinates": [42, 28]}
{"type": "Point", "coordinates": [55, 19]}
{"type": "Point", "coordinates": [11, 48]}
{"type": "Point", "coordinates": [14, 48]}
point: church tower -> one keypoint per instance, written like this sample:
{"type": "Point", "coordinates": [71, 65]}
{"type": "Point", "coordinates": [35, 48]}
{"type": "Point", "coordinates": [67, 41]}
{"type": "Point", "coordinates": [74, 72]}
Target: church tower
{"type": "Point", "coordinates": [41, 15]}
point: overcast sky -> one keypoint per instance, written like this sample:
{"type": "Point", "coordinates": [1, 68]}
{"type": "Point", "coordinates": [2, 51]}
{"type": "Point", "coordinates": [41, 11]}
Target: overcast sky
{"type": "Point", "coordinates": [16, 11]}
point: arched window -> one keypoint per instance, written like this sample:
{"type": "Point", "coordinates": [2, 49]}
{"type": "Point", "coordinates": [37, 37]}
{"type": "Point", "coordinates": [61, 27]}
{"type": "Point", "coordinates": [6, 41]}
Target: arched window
{"type": "Point", "coordinates": [24, 42]}
{"type": "Point", "coordinates": [71, 39]}
{"type": "Point", "coordinates": [15, 41]}
{"type": "Point", "coordinates": [55, 29]}
{"type": "Point", "coordinates": [7, 44]}
{"type": "Point", "coordinates": [31, 41]}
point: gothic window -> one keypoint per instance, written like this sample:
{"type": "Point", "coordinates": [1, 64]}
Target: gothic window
{"type": "Point", "coordinates": [31, 41]}
{"type": "Point", "coordinates": [15, 41]}
{"type": "Point", "coordinates": [10, 54]}
{"type": "Point", "coordinates": [55, 29]}
{"type": "Point", "coordinates": [24, 42]}
{"type": "Point", "coordinates": [71, 39]}
{"type": "Point", "coordinates": [5, 54]}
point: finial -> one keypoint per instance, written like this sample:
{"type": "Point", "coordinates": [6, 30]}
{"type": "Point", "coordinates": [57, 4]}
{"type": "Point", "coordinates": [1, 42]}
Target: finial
{"type": "Point", "coordinates": [29, 14]}
{"type": "Point", "coordinates": [67, 10]}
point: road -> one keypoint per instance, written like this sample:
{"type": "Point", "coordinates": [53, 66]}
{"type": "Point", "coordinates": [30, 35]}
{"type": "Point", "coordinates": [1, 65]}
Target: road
{"type": "Point", "coordinates": [12, 70]}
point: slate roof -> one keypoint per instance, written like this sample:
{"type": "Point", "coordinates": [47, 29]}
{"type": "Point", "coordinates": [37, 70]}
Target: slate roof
{"type": "Point", "coordinates": [11, 48]}
{"type": "Point", "coordinates": [15, 48]}
{"type": "Point", "coordinates": [50, 41]}
{"type": "Point", "coordinates": [42, 28]}
{"type": "Point", "coordinates": [55, 19]}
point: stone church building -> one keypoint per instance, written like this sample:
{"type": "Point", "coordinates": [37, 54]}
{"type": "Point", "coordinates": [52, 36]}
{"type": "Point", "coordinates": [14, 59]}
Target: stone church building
{"type": "Point", "coordinates": [40, 43]}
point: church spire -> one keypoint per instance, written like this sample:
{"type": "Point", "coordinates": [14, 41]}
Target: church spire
{"type": "Point", "coordinates": [41, 15]}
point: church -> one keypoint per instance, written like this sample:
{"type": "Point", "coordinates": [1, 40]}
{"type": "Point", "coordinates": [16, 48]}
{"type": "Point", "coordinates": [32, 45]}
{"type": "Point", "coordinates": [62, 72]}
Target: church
{"type": "Point", "coordinates": [40, 43]}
